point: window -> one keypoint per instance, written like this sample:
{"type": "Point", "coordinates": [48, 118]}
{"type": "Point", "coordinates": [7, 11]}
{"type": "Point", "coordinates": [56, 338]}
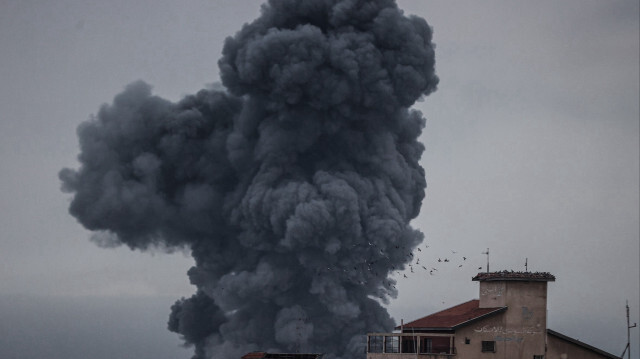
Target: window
{"type": "Point", "coordinates": [427, 346]}
{"type": "Point", "coordinates": [538, 357]}
{"type": "Point", "coordinates": [409, 344]}
{"type": "Point", "coordinates": [488, 346]}
{"type": "Point", "coordinates": [392, 345]}
{"type": "Point", "coordinates": [375, 344]}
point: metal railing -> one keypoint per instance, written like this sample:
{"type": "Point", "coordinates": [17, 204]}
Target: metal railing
{"type": "Point", "coordinates": [420, 345]}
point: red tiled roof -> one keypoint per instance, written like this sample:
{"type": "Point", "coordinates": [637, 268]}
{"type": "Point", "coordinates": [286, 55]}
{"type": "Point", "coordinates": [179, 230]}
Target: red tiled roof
{"type": "Point", "coordinates": [516, 276]}
{"type": "Point", "coordinates": [454, 316]}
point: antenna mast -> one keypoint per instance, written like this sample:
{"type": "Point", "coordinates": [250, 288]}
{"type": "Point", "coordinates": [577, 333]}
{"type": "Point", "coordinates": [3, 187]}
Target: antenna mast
{"type": "Point", "coordinates": [298, 335]}
{"type": "Point", "coordinates": [627, 349]}
{"type": "Point", "coordinates": [487, 253]}
{"type": "Point", "coordinates": [526, 264]}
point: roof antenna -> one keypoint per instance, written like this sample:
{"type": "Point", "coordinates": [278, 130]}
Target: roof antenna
{"type": "Point", "coordinates": [526, 267]}
{"type": "Point", "coordinates": [298, 336]}
{"type": "Point", "coordinates": [628, 347]}
{"type": "Point", "coordinates": [487, 253]}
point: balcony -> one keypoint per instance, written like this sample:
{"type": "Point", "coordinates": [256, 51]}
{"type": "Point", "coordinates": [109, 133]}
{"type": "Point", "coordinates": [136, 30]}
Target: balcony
{"type": "Point", "coordinates": [414, 345]}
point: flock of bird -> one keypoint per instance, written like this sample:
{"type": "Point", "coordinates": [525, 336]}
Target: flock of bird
{"type": "Point", "coordinates": [417, 265]}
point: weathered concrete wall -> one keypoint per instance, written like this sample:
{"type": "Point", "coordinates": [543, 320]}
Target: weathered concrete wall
{"type": "Point", "coordinates": [476, 335]}
{"type": "Point", "coordinates": [511, 341]}
{"type": "Point", "coordinates": [526, 319]}
{"type": "Point", "coordinates": [493, 294]}
{"type": "Point", "coordinates": [562, 349]}
{"type": "Point", "coordinates": [520, 331]}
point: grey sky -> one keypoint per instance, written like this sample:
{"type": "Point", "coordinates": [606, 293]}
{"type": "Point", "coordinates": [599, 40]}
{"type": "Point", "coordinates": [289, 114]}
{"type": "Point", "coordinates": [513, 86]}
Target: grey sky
{"type": "Point", "coordinates": [532, 150]}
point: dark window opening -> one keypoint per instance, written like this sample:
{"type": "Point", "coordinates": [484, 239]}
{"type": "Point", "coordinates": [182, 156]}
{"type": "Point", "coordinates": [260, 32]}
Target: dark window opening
{"type": "Point", "coordinates": [392, 345]}
{"type": "Point", "coordinates": [488, 346]}
{"type": "Point", "coordinates": [538, 357]}
{"type": "Point", "coordinates": [409, 345]}
{"type": "Point", "coordinates": [435, 345]}
{"type": "Point", "coordinates": [467, 341]}
{"type": "Point", "coordinates": [426, 345]}
{"type": "Point", "coordinates": [375, 344]}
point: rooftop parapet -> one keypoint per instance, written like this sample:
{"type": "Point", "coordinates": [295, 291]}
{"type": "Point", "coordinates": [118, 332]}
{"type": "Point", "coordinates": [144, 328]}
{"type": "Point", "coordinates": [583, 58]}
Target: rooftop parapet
{"type": "Point", "coordinates": [515, 276]}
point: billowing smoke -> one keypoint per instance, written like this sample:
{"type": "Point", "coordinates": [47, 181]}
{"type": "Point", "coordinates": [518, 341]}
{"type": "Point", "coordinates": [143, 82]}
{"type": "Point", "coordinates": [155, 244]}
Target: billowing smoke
{"type": "Point", "coordinates": [293, 185]}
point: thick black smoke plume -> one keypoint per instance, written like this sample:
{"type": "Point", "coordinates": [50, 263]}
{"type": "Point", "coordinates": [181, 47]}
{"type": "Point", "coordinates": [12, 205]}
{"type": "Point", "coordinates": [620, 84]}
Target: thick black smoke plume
{"type": "Point", "coordinates": [293, 188]}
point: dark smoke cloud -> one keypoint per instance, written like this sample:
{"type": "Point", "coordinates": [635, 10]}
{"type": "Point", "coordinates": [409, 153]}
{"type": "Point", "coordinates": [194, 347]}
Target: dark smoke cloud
{"type": "Point", "coordinates": [293, 187]}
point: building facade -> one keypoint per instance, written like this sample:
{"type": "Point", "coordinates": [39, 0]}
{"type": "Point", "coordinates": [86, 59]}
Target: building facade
{"type": "Point", "coordinates": [508, 321]}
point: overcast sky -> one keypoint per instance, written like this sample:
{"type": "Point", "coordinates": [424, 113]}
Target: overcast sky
{"type": "Point", "coordinates": [532, 150]}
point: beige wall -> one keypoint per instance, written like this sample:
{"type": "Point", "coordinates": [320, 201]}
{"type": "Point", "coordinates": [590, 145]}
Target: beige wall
{"type": "Point", "coordinates": [493, 294]}
{"type": "Point", "coordinates": [562, 349]}
{"type": "Point", "coordinates": [519, 332]}
{"type": "Point", "coordinates": [511, 341]}
{"type": "Point", "coordinates": [508, 293]}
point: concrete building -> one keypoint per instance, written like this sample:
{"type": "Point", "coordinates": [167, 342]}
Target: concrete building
{"type": "Point", "coordinates": [509, 321]}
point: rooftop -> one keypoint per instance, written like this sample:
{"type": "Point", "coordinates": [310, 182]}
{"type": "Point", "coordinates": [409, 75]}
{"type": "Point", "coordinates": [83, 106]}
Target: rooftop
{"type": "Point", "coordinates": [515, 276]}
{"type": "Point", "coordinates": [453, 317]}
